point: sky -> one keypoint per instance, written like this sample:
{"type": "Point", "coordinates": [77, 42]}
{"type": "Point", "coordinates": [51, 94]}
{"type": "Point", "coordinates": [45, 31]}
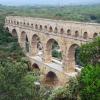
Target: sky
{"type": "Point", "coordinates": [47, 2]}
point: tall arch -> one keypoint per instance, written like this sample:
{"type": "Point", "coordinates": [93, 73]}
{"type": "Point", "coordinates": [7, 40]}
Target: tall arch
{"type": "Point", "coordinates": [36, 45]}
{"type": "Point", "coordinates": [72, 57]}
{"type": "Point", "coordinates": [51, 78]}
{"type": "Point", "coordinates": [24, 41]}
{"type": "Point", "coordinates": [14, 33]}
{"type": "Point", "coordinates": [52, 50]}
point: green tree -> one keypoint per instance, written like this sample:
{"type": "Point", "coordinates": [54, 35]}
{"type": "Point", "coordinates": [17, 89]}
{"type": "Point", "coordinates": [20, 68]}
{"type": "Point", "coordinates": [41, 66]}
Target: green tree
{"type": "Point", "coordinates": [90, 83]}
{"type": "Point", "coordinates": [90, 52]}
{"type": "Point", "coordinates": [16, 83]}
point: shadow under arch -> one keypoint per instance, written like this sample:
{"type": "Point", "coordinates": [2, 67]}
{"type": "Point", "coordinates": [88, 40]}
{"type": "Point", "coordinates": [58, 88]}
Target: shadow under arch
{"type": "Point", "coordinates": [51, 78]}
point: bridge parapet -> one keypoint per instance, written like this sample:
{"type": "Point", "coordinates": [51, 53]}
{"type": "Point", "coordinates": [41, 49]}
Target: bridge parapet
{"type": "Point", "coordinates": [76, 30]}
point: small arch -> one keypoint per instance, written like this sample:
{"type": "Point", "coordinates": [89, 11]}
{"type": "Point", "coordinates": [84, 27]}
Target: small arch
{"type": "Point", "coordinates": [17, 23]}
{"type": "Point", "coordinates": [85, 35]}
{"type": "Point", "coordinates": [76, 33]}
{"type": "Point", "coordinates": [55, 30]}
{"type": "Point", "coordinates": [50, 29]}
{"type": "Point", "coordinates": [40, 27]}
{"type": "Point", "coordinates": [27, 24]}
{"type": "Point", "coordinates": [61, 30]}
{"type": "Point", "coordinates": [24, 23]}
{"type": "Point", "coordinates": [31, 25]}
{"type": "Point", "coordinates": [36, 26]}
{"type": "Point", "coordinates": [51, 78]}
{"type": "Point", "coordinates": [95, 35]}
{"type": "Point", "coordinates": [45, 27]}
{"type": "Point", "coordinates": [69, 32]}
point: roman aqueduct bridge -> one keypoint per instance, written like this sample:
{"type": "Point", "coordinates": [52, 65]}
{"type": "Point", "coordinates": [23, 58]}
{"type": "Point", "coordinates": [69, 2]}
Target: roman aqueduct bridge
{"type": "Point", "coordinates": [69, 35]}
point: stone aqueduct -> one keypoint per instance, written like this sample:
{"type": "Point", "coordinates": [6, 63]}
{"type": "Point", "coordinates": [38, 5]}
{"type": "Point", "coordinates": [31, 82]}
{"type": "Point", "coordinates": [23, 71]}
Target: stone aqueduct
{"type": "Point", "coordinates": [68, 34]}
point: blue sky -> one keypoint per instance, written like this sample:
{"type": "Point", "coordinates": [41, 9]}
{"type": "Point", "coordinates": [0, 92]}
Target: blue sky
{"type": "Point", "coordinates": [46, 2]}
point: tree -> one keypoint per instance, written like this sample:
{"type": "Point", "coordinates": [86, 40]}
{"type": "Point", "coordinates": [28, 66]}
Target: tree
{"type": "Point", "coordinates": [90, 83]}
{"type": "Point", "coordinates": [90, 52]}
{"type": "Point", "coordinates": [16, 83]}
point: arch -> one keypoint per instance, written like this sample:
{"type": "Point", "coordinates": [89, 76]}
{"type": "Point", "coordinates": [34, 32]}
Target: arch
{"type": "Point", "coordinates": [17, 22]}
{"type": "Point", "coordinates": [14, 33]}
{"type": "Point", "coordinates": [51, 78]}
{"type": "Point", "coordinates": [52, 50]}
{"type": "Point", "coordinates": [40, 27]}
{"type": "Point", "coordinates": [7, 29]}
{"type": "Point", "coordinates": [85, 35]}
{"type": "Point", "coordinates": [76, 33]}
{"type": "Point", "coordinates": [61, 30]}
{"type": "Point", "coordinates": [36, 26]}
{"type": "Point", "coordinates": [55, 30]}
{"type": "Point", "coordinates": [24, 41]}
{"type": "Point", "coordinates": [95, 35]}
{"type": "Point", "coordinates": [36, 44]}
{"type": "Point", "coordinates": [45, 27]}
{"type": "Point", "coordinates": [71, 57]}
{"type": "Point", "coordinates": [35, 66]}
{"type": "Point", "coordinates": [28, 24]}
{"type": "Point", "coordinates": [50, 29]}
{"type": "Point", "coordinates": [68, 32]}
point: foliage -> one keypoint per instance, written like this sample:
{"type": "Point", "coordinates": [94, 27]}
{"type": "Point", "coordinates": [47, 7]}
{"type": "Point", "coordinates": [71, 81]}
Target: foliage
{"type": "Point", "coordinates": [15, 81]}
{"type": "Point", "coordinates": [90, 52]}
{"type": "Point", "coordinates": [90, 83]}
{"type": "Point", "coordinates": [68, 92]}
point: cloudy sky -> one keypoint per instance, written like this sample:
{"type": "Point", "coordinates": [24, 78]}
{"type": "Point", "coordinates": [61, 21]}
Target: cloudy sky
{"type": "Point", "coordinates": [47, 2]}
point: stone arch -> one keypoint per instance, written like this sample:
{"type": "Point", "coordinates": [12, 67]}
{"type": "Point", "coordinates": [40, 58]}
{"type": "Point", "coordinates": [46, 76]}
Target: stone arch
{"type": "Point", "coordinates": [71, 57]}
{"type": "Point", "coordinates": [24, 41]}
{"type": "Point", "coordinates": [85, 35]}
{"type": "Point", "coordinates": [61, 30]}
{"type": "Point", "coordinates": [14, 33]}
{"type": "Point", "coordinates": [55, 30]}
{"type": "Point", "coordinates": [76, 34]}
{"type": "Point", "coordinates": [50, 29]}
{"type": "Point", "coordinates": [35, 66]}
{"type": "Point", "coordinates": [45, 27]}
{"type": "Point", "coordinates": [35, 43]}
{"type": "Point", "coordinates": [49, 50]}
{"type": "Point", "coordinates": [69, 32]}
{"type": "Point", "coordinates": [51, 78]}
{"type": "Point", "coordinates": [40, 27]}
{"type": "Point", "coordinates": [7, 29]}
{"type": "Point", "coordinates": [95, 35]}
{"type": "Point", "coordinates": [36, 26]}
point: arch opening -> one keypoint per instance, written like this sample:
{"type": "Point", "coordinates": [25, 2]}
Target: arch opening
{"type": "Point", "coordinates": [55, 30]}
{"type": "Point", "coordinates": [7, 29]}
{"type": "Point", "coordinates": [24, 42]}
{"type": "Point", "coordinates": [73, 57]}
{"type": "Point", "coordinates": [51, 78]}
{"type": "Point", "coordinates": [37, 48]}
{"type": "Point", "coordinates": [85, 35]}
{"type": "Point", "coordinates": [53, 50]}
{"type": "Point", "coordinates": [14, 33]}
{"type": "Point", "coordinates": [69, 32]}
{"type": "Point", "coordinates": [76, 33]}
{"type": "Point", "coordinates": [95, 35]}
